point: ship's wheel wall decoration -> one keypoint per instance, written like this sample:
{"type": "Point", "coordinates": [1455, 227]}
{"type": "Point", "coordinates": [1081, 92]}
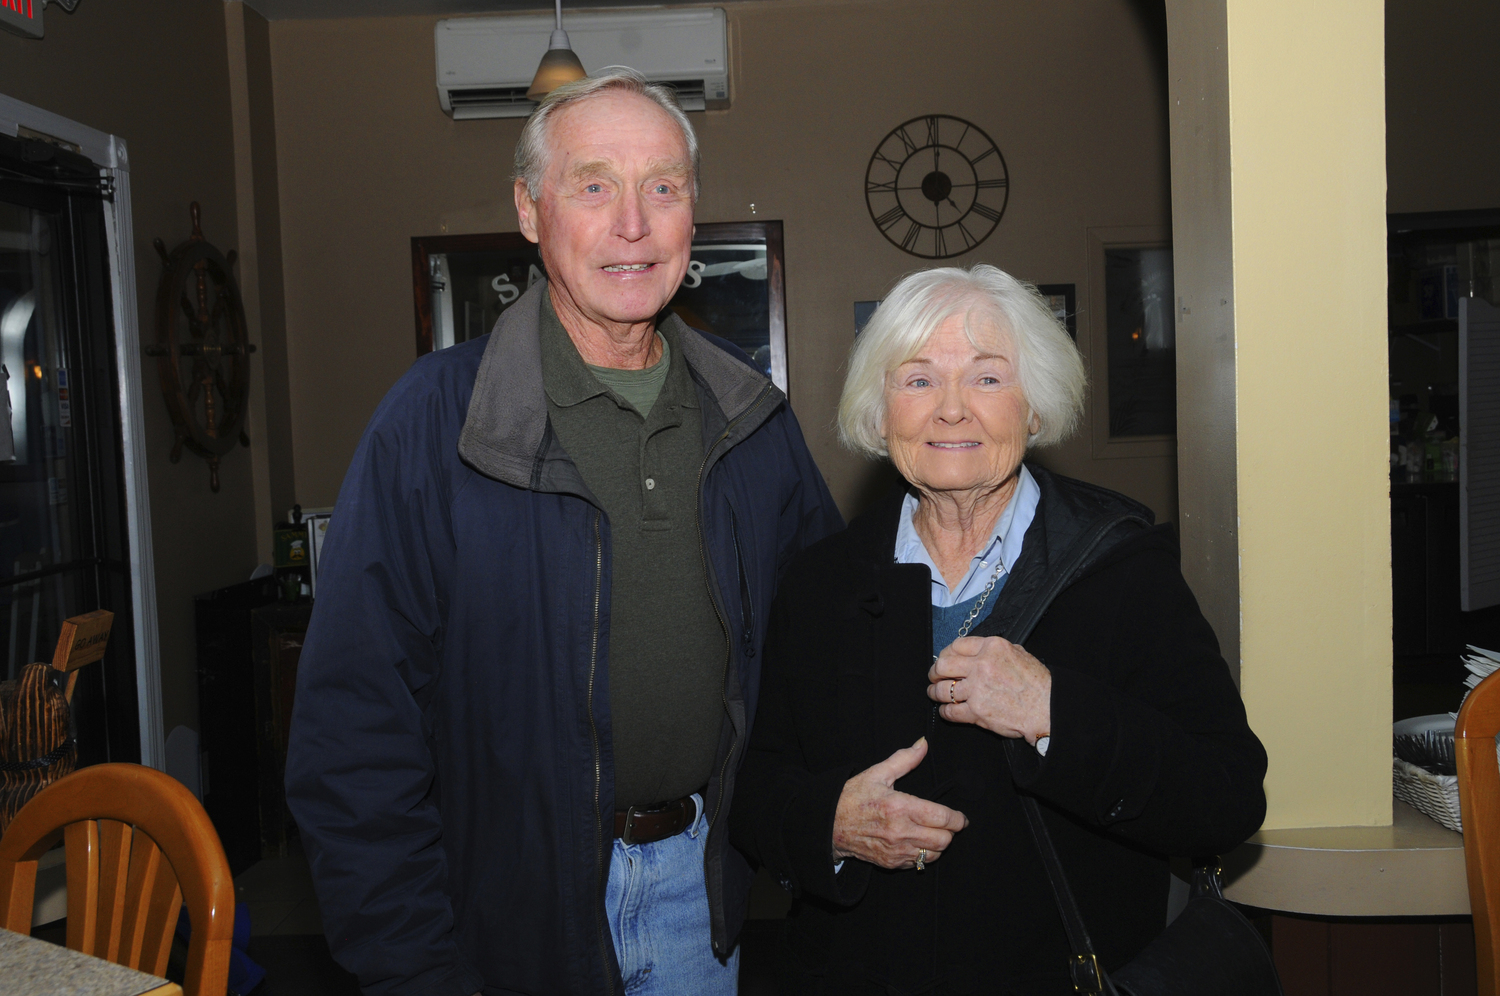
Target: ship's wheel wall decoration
{"type": "Point", "coordinates": [936, 186]}
{"type": "Point", "coordinates": [202, 349]}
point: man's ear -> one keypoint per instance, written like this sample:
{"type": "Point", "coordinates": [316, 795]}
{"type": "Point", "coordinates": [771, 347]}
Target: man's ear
{"type": "Point", "coordinates": [526, 211]}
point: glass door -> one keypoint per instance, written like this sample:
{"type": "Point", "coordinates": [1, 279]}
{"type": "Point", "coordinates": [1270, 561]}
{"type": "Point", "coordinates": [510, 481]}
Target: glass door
{"type": "Point", "coordinates": [63, 547]}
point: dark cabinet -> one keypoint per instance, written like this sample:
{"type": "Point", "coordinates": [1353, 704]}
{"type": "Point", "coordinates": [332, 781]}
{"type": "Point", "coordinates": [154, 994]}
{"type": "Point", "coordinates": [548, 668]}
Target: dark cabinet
{"type": "Point", "coordinates": [248, 646]}
{"type": "Point", "coordinates": [1425, 616]}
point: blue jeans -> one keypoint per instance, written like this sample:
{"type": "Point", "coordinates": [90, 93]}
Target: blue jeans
{"type": "Point", "coordinates": [658, 918]}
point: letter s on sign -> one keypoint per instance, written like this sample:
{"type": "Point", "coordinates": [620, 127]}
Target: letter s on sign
{"type": "Point", "coordinates": [508, 291]}
{"type": "Point", "coordinates": [694, 275]}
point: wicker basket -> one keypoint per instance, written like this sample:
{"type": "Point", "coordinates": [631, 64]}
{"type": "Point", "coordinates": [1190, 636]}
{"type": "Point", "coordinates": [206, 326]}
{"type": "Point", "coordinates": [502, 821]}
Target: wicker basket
{"type": "Point", "coordinates": [1434, 795]}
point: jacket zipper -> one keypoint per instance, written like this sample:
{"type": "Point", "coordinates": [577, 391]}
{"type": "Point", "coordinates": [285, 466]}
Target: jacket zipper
{"type": "Point", "coordinates": [747, 608]}
{"type": "Point", "coordinates": [734, 740]}
{"type": "Point", "coordinates": [599, 913]}
{"type": "Point", "coordinates": [703, 554]}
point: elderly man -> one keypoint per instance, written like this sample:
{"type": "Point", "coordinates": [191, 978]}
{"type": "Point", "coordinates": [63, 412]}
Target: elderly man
{"type": "Point", "coordinates": [528, 682]}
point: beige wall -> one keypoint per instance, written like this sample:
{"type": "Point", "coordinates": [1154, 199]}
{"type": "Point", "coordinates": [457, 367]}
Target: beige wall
{"type": "Point", "coordinates": [258, 200]}
{"type": "Point", "coordinates": [1442, 104]}
{"type": "Point", "coordinates": [1072, 92]}
{"type": "Point", "coordinates": [161, 83]}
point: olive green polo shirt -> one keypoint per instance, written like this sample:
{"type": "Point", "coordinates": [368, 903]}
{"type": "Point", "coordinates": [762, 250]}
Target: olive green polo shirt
{"type": "Point", "coordinates": [667, 648]}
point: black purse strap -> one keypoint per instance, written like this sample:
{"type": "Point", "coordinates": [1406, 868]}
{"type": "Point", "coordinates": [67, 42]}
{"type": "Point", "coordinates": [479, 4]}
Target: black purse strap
{"type": "Point", "coordinates": [1084, 970]}
{"type": "Point", "coordinates": [1086, 973]}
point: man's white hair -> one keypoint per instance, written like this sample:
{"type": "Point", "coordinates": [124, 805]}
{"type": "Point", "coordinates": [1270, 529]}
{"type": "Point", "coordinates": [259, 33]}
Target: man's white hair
{"type": "Point", "coordinates": [532, 151]}
{"type": "Point", "coordinates": [1048, 366]}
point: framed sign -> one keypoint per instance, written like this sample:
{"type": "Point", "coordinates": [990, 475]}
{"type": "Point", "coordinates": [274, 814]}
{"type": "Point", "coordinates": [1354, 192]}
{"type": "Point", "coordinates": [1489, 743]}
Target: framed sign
{"type": "Point", "coordinates": [735, 287]}
{"type": "Point", "coordinates": [1132, 348]}
{"type": "Point", "coordinates": [22, 17]}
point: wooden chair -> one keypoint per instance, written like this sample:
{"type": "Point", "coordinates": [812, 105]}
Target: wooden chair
{"type": "Point", "coordinates": [1479, 805]}
{"type": "Point", "coordinates": [138, 845]}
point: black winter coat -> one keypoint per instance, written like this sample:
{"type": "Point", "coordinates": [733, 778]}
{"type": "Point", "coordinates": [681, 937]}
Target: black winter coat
{"type": "Point", "coordinates": [1150, 756]}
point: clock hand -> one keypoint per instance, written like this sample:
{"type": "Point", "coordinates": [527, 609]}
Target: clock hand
{"type": "Point", "coordinates": [955, 206]}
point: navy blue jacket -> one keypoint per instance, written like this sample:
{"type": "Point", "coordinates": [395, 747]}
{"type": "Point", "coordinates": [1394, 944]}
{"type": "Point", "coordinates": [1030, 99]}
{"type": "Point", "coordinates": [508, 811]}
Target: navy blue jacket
{"type": "Point", "coordinates": [450, 765]}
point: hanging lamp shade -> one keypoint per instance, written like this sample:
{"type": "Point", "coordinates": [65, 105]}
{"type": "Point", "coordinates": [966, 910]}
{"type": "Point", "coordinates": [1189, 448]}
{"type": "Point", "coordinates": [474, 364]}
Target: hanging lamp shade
{"type": "Point", "coordinates": [559, 66]}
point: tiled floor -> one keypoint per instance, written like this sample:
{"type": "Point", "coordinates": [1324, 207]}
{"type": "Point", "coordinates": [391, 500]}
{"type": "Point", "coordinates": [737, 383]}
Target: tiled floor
{"type": "Point", "coordinates": [279, 892]}
{"type": "Point", "coordinates": [286, 932]}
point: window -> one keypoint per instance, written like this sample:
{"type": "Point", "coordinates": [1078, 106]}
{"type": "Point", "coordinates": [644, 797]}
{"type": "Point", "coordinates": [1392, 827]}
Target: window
{"type": "Point", "coordinates": [74, 522]}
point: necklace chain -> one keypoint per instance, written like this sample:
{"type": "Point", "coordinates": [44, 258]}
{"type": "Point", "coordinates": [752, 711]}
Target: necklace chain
{"type": "Point", "coordinates": [963, 630]}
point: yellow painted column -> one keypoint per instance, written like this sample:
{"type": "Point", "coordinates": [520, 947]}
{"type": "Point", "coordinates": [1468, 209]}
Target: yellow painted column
{"type": "Point", "coordinates": [1279, 121]}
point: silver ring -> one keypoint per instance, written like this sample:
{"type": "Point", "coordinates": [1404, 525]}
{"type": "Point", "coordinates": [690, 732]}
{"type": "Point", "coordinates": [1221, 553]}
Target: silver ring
{"type": "Point", "coordinates": [921, 858]}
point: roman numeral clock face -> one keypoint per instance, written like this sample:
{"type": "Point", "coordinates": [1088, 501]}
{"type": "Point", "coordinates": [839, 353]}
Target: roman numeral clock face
{"type": "Point", "coordinates": [936, 186]}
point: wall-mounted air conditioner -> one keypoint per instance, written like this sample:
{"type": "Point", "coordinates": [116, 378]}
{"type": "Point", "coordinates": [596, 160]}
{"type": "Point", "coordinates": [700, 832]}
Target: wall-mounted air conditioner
{"type": "Point", "coordinates": [485, 64]}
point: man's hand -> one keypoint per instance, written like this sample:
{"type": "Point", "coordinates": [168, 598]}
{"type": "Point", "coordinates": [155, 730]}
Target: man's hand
{"type": "Point", "coordinates": [993, 683]}
{"type": "Point", "coordinates": [875, 823]}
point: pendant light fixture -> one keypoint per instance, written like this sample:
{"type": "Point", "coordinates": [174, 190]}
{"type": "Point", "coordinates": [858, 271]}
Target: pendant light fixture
{"type": "Point", "coordinates": [559, 64]}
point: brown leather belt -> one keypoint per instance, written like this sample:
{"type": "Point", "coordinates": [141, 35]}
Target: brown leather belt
{"type": "Point", "coordinates": [645, 825]}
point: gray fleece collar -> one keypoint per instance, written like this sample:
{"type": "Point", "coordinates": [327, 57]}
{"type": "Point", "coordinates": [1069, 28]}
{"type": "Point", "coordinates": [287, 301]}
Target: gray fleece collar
{"type": "Point", "coordinates": [505, 434]}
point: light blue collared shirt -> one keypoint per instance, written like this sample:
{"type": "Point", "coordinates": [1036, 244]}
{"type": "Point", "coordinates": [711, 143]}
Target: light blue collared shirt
{"type": "Point", "coordinates": [1004, 545]}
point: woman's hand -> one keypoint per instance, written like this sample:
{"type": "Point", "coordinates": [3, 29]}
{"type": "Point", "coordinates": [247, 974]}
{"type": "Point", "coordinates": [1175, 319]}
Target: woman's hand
{"type": "Point", "coordinates": [995, 684]}
{"type": "Point", "coordinates": [875, 823]}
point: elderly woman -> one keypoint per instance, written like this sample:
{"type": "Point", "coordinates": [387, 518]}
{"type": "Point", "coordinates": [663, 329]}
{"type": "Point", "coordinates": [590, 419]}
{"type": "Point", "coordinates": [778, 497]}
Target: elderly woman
{"type": "Point", "coordinates": [898, 728]}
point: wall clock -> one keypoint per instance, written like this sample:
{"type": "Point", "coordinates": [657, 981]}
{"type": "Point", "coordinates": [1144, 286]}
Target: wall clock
{"type": "Point", "coordinates": [936, 186]}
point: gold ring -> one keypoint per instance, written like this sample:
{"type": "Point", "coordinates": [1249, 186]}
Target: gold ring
{"type": "Point", "coordinates": [953, 692]}
{"type": "Point", "coordinates": [921, 859]}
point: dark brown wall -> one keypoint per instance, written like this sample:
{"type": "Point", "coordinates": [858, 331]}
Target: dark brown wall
{"type": "Point", "coordinates": [156, 74]}
{"type": "Point", "coordinates": [1442, 109]}
{"type": "Point", "coordinates": [1072, 92]}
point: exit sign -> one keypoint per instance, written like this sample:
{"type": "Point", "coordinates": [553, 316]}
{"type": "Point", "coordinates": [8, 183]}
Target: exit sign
{"type": "Point", "coordinates": [24, 17]}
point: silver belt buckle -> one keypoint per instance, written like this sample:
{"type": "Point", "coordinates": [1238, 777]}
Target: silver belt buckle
{"type": "Point", "coordinates": [629, 835]}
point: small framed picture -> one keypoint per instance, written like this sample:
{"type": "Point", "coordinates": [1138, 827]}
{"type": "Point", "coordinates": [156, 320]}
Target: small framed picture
{"type": "Point", "coordinates": [1063, 300]}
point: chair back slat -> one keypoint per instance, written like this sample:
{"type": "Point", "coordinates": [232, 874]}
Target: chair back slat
{"type": "Point", "coordinates": [114, 866]}
{"type": "Point", "coordinates": [138, 846]}
{"type": "Point", "coordinates": [1479, 805]}
{"type": "Point", "coordinates": [82, 849]}
{"type": "Point", "coordinates": [17, 893]}
{"type": "Point", "coordinates": [145, 863]}
{"type": "Point", "coordinates": [164, 904]}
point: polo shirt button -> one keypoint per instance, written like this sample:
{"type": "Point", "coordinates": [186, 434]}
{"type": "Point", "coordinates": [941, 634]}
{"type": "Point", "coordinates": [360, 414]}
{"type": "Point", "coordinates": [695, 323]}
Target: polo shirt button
{"type": "Point", "coordinates": [650, 483]}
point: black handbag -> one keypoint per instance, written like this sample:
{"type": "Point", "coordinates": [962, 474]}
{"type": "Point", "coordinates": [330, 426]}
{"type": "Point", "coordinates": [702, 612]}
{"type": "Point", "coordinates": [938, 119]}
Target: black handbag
{"type": "Point", "coordinates": [1210, 949]}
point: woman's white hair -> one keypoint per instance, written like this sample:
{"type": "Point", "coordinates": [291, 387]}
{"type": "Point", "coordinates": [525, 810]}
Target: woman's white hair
{"type": "Point", "coordinates": [532, 151]}
{"type": "Point", "coordinates": [992, 302]}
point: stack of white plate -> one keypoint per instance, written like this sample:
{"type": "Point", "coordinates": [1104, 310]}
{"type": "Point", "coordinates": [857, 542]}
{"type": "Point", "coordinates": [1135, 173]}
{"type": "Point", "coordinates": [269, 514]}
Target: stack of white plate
{"type": "Point", "coordinates": [1481, 664]}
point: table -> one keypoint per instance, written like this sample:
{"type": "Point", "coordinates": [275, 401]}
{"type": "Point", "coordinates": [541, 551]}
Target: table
{"type": "Point", "coordinates": [39, 968]}
{"type": "Point", "coordinates": [1414, 867]}
{"type": "Point", "coordinates": [1362, 911]}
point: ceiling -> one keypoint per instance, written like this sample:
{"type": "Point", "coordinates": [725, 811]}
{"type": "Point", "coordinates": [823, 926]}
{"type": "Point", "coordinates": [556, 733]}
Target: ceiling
{"type": "Point", "coordinates": [275, 10]}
